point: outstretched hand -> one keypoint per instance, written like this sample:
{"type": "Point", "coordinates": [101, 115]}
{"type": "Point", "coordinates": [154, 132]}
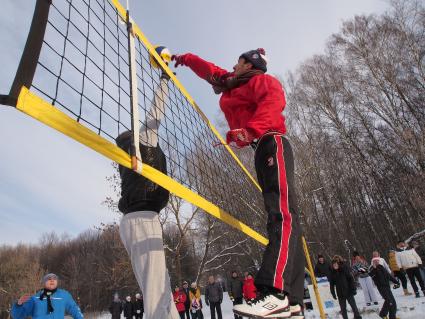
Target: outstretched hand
{"type": "Point", "coordinates": [23, 299]}
{"type": "Point", "coordinates": [179, 59]}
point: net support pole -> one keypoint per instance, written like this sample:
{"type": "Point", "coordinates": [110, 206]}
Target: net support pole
{"type": "Point", "coordinates": [28, 63]}
{"type": "Point", "coordinates": [136, 162]}
{"type": "Point", "coordinates": [313, 279]}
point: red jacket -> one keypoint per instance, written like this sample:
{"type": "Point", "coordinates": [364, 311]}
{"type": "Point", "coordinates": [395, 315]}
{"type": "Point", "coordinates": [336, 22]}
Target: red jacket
{"type": "Point", "coordinates": [256, 105]}
{"type": "Point", "coordinates": [249, 290]}
{"type": "Point", "coordinates": [179, 300]}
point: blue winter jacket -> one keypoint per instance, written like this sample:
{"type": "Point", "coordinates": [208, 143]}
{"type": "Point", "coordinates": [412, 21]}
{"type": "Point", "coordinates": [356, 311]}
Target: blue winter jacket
{"type": "Point", "coordinates": [62, 303]}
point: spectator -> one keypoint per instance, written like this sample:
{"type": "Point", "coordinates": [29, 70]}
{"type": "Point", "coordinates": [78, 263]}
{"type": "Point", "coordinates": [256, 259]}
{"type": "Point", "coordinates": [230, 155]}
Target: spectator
{"type": "Point", "coordinates": [420, 250]}
{"type": "Point", "coordinates": [214, 297]}
{"type": "Point", "coordinates": [342, 279]}
{"type": "Point", "coordinates": [322, 268]}
{"type": "Point", "coordinates": [409, 260]}
{"type": "Point", "coordinates": [195, 302]}
{"type": "Point", "coordinates": [187, 303]}
{"type": "Point", "coordinates": [382, 262]}
{"type": "Point", "coordinates": [116, 307]}
{"type": "Point", "coordinates": [249, 289]}
{"type": "Point", "coordinates": [235, 291]}
{"type": "Point", "coordinates": [180, 299]}
{"type": "Point", "coordinates": [128, 308]}
{"type": "Point", "coordinates": [381, 277]}
{"type": "Point", "coordinates": [360, 270]}
{"type": "Point", "coordinates": [398, 272]}
{"type": "Point", "coordinates": [138, 306]}
{"type": "Point", "coordinates": [48, 303]}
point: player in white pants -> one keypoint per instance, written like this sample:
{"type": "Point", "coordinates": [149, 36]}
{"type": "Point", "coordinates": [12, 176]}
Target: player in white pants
{"type": "Point", "coordinates": [141, 201]}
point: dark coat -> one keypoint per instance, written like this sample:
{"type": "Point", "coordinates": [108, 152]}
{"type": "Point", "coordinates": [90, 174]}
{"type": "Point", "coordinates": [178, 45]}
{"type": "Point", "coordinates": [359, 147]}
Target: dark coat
{"type": "Point", "coordinates": [187, 302]}
{"type": "Point", "coordinates": [381, 277]}
{"type": "Point", "coordinates": [235, 288]}
{"type": "Point", "coordinates": [128, 309]}
{"type": "Point", "coordinates": [343, 281]}
{"type": "Point", "coordinates": [137, 192]}
{"type": "Point", "coordinates": [138, 305]}
{"type": "Point", "coordinates": [116, 309]}
{"type": "Point", "coordinates": [214, 292]}
{"type": "Point", "coordinates": [322, 270]}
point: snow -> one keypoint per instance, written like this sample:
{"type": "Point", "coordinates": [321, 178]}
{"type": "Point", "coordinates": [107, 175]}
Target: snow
{"type": "Point", "coordinates": [409, 307]}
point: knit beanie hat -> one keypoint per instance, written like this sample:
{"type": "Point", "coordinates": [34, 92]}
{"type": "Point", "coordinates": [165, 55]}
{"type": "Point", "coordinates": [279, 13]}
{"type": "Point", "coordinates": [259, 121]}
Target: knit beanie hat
{"type": "Point", "coordinates": [49, 276]}
{"type": "Point", "coordinates": [257, 58]}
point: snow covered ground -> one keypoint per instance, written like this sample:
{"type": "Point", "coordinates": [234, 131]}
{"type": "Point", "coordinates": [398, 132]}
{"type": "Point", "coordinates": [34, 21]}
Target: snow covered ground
{"type": "Point", "coordinates": [409, 307]}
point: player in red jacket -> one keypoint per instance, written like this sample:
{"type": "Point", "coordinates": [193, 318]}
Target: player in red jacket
{"type": "Point", "coordinates": [252, 102]}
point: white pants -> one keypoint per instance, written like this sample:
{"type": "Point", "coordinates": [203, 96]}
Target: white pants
{"type": "Point", "coordinates": [141, 235]}
{"type": "Point", "coordinates": [368, 289]}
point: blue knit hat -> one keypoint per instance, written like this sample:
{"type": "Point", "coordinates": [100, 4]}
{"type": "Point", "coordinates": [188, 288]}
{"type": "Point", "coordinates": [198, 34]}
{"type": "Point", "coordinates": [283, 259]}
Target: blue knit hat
{"type": "Point", "coordinates": [257, 58]}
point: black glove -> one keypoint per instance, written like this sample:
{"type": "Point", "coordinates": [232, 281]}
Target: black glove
{"type": "Point", "coordinates": [220, 301]}
{"type": "Point", "coordinates": [207, 302]}
{"type": "Point", "coordinates": [333, 295]}
{"type": "Point", "coordinates": [354, 292]}
{"type": "Point", "coordinates": [396, 286]}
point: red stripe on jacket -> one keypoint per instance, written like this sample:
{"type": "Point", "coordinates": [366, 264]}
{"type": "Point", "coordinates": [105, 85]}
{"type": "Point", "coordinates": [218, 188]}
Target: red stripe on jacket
{"type": "Point", "coordinates": [256, 105]}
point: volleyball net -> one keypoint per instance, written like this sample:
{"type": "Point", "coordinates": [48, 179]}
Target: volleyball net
{"type": "Point", "coordinates": [88, 71]}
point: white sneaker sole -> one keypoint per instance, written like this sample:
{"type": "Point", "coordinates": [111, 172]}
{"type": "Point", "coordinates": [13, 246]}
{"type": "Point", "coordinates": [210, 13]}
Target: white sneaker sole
{"type": "Point", "coordinates": [278, 313]}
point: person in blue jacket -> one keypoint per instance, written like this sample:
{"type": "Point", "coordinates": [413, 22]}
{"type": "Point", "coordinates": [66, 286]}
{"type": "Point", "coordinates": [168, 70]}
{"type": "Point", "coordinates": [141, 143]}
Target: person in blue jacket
{"type": "Point", "coordinates": [48, 303]}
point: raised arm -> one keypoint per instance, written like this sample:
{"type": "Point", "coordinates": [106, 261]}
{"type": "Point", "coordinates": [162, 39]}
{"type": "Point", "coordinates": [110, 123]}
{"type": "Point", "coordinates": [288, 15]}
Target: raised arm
{"type": "Point", "coordinates": [204, 69]}
{"type": "Point", "coordinates": [149, 128]}
{"type": "Point", "coordinates": [23, 310]}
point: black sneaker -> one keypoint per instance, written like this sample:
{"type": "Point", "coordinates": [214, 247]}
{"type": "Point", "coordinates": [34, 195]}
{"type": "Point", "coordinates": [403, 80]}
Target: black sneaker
{"type": "Point", "coordinates": [376, 303]}
{"type": "Point", "coordinates": [417, 294]}
{"type": "Point", "coordinates": [368, 304]}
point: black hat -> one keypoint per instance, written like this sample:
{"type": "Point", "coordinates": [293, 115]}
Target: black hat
{"type": "Point", "coordinates": [257, 58]}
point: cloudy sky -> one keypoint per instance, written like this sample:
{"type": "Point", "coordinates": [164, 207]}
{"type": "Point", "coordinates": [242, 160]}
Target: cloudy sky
{"type": "Point", "coordinates": [51, 183]}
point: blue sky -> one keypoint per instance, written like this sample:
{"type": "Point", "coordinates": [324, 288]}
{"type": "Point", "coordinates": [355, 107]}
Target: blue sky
{"type": "Point", "coordinates": [51, 183]}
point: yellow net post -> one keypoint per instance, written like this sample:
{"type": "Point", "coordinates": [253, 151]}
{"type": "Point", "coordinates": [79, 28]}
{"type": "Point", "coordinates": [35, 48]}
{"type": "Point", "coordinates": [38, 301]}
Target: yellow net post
{"type": "Point", "coordinates": [313, 279]}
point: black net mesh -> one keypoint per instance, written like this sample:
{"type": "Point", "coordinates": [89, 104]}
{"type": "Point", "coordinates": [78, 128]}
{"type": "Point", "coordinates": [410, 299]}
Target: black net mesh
{"type": "Point", "coordinates": [83, 70]}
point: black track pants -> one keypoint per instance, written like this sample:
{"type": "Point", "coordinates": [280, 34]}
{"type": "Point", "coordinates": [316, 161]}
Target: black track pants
{"type": "Point", "coordinates": [283, 260]}
{"type": "Point", "coordinates": [413, 273]}
{"type": "Point", "coordinates": [390, 306]}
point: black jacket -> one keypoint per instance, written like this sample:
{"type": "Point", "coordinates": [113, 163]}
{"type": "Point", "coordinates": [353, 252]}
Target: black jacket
{"type": "Point", "coordinates": [381, 277]}
{"type": "Point", "coordinates": [322, 270]}
{"type": "Point", "coordinates": [138, 305]}
{"type": "Point", "coordinates": [214, 292]}
{"type": "Point", "coordinates": [343, 281]}
{"type": "Point", "coordinates": [137, 192]}
{"type": "Point", "coordinates": [235, 287]}
{"type": "Point", "coordinates": [128, 309]}
{"type": "Point", "coordinates": [115, 309]}
{"type": "Point", "coordinates": [187, 302]}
